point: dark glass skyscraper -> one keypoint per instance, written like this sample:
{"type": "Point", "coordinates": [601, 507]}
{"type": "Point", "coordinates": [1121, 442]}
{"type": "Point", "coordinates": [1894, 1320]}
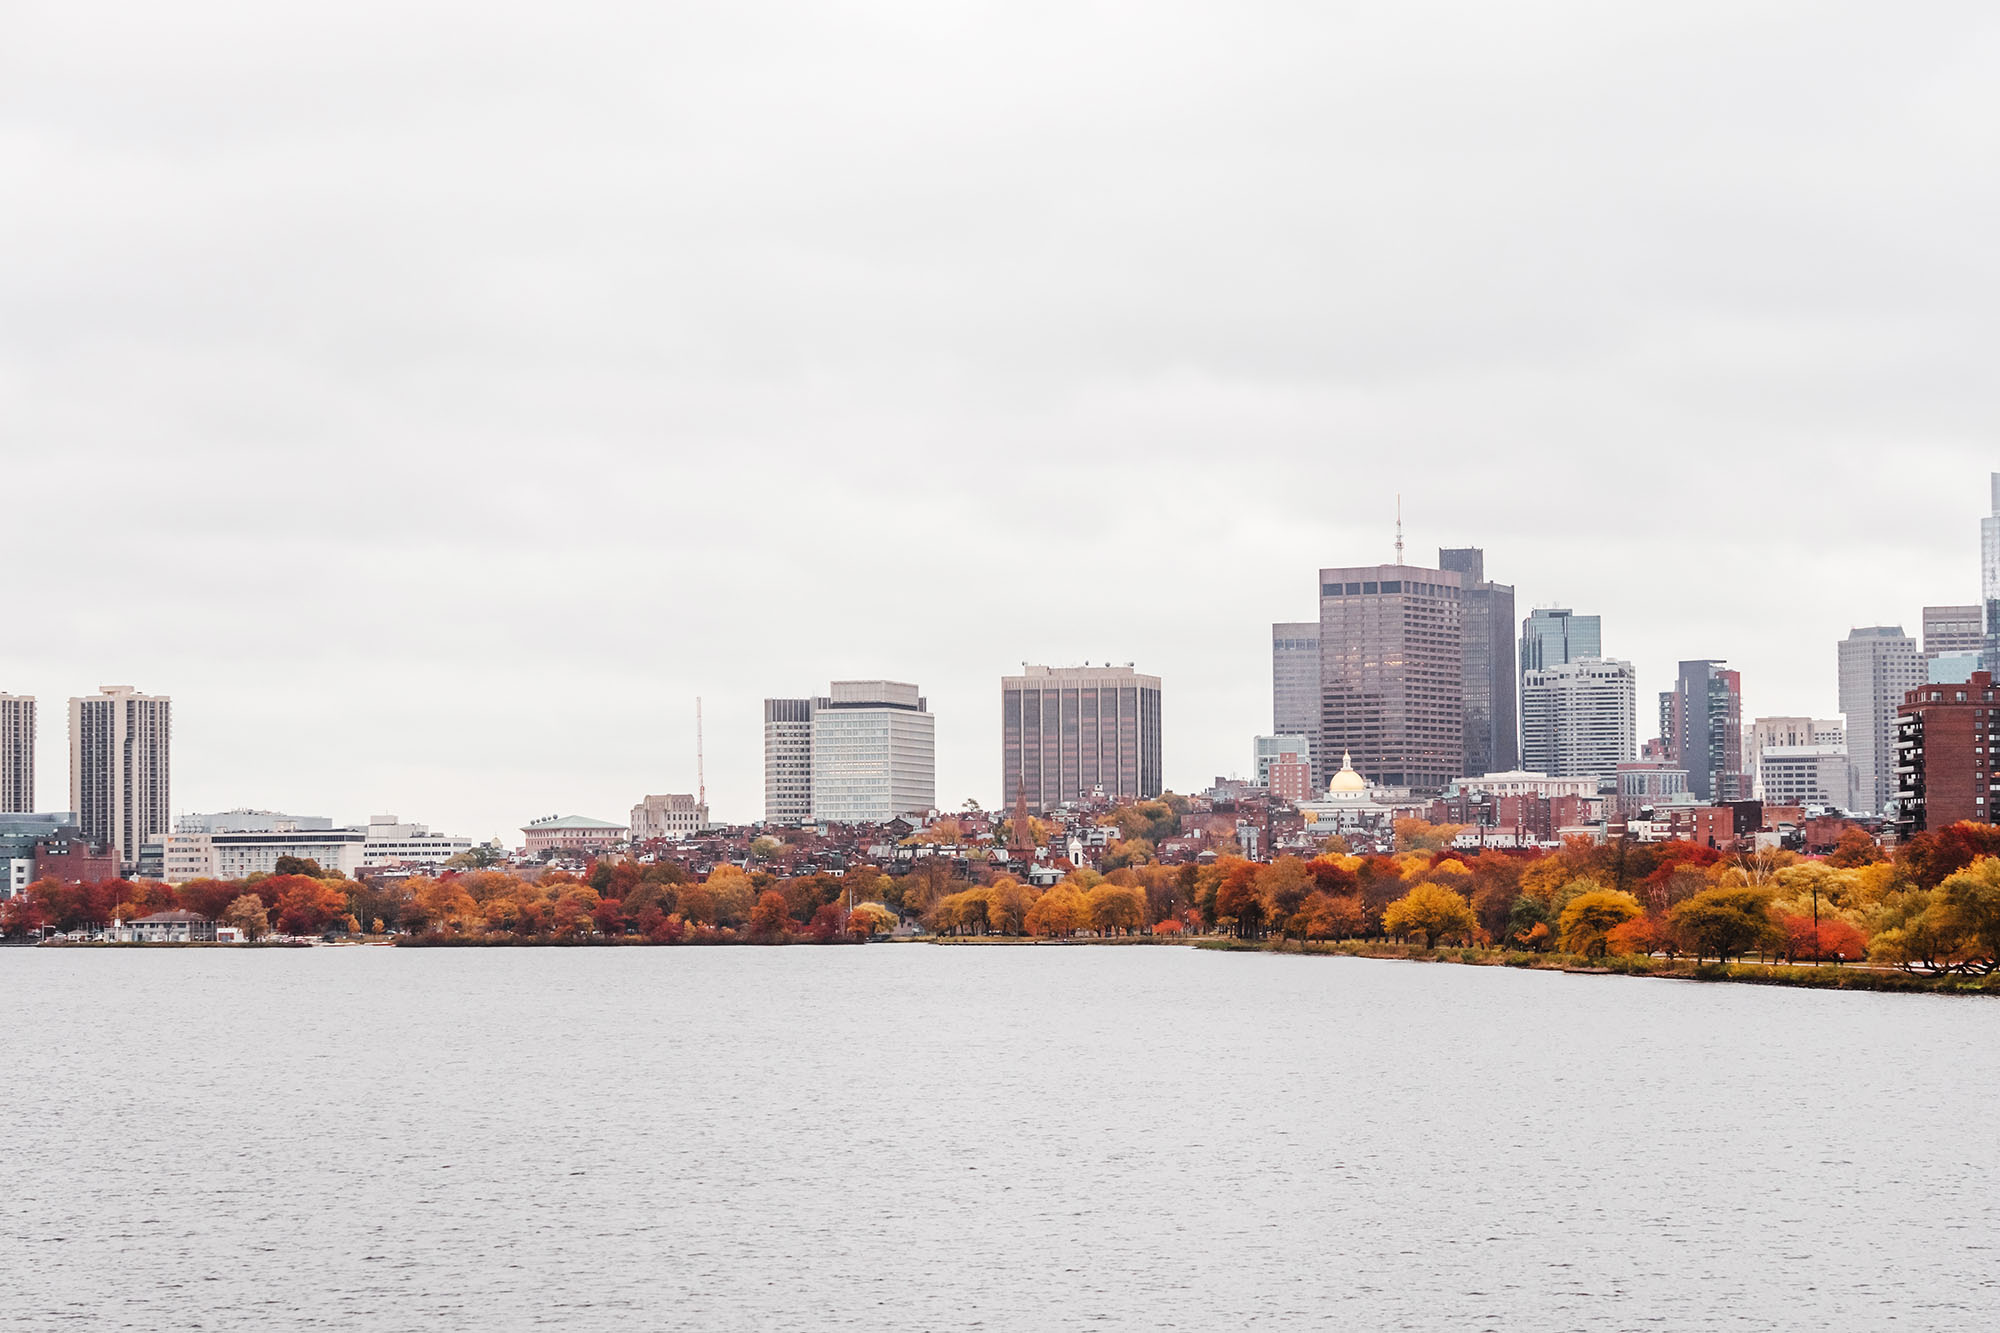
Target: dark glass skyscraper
{"type": "Point", "coordinates": [1492, 718]}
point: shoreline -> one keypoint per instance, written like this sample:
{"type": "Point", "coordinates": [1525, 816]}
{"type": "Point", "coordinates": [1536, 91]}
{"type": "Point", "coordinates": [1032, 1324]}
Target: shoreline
{"type": "Point", "coordinates": [1833, 976]}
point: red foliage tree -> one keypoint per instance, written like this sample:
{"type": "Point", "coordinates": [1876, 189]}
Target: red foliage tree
{"type": "Point", "coordinates": [305, 906]}
{"type": "Point", "coordinates": [1826, 942]}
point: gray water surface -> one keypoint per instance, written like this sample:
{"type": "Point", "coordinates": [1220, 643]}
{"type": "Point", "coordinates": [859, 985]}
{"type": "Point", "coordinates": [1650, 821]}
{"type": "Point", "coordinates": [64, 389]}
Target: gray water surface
{"type": "Point", "coordinates": [908, 1137]}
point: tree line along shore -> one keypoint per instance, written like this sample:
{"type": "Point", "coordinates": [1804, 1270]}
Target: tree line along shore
{"type": "Point", "coordinates": [1926, 913]}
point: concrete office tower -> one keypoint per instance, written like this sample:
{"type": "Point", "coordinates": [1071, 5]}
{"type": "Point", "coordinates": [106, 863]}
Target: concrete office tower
{"type": "Point", "coordinates": [1492, 723]}
{"type": "Point", "coordinates": [1701, 719]}
{"type": "Point", "coordinates": [17, 753]}
{"type": "Point", "coordinates": [1066, 732]}
{"type": "Point", "coordinates": [788, 747]}
{"type": "Point", "coordinates": [1295, 687]}
{"type": "Point", "coordinates": [1879, 664]}
{"type": "Point", "coordinates": [1579, 719]}
{"type": "Point", "coordinates": [874, 753]}
{"type": "Point", "coordinates": [1551, 636]}
{"type": "Point", "coordinates": [120, 763]}
{"type": "Point", "coordinates": [1392, 672]}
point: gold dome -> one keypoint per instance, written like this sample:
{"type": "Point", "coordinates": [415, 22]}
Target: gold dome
{"type": "Point", "coordinates": [1346, 779]}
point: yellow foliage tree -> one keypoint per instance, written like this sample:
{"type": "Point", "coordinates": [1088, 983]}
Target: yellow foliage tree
{"type": "Point", "coordinates": [1117, 907]}
{"type": "Point", "coordinates": [1432, 911]}
{"type": "Point", "coordinates": [1591, 917]}
{"type": "Point", "coordinates": [1060, 912]}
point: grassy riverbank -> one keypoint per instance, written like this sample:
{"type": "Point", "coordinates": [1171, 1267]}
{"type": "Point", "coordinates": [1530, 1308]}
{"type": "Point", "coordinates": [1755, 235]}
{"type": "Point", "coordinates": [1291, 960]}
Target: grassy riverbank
{"type": "Point", "coordinates": [1823, 977]}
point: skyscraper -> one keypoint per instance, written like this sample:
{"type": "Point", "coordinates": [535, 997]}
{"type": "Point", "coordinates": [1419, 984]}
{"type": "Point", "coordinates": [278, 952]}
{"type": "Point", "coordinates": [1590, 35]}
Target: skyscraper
{"type": "Point", "coordinates": [120, 764]}
{"type": "Point", "coordinates": [1701, 719]}
{"type": "Point", "coordinates": [1295, 686]}
{"type": "Point", "coordinates": [863, 753]}
{"type": "Point", "coordinates": [1392, 672]}
{"type": "Point", "coordinates": [1879, 664]}
{"type": "Point", "coordinates": [1067, 731]}
{"type": "Point", "coordinates": [17, 753]}
{"type": "Point", "coordinates": [1492, 724]}
{"type": "Point", "coordinates": [788, 760]}
{"type": "Point", "coordinates": [1579, 719]}
{"type": "Point", "coordinates": [874, 753]}
{"type": "Point", "coordinates": [1551, 636]}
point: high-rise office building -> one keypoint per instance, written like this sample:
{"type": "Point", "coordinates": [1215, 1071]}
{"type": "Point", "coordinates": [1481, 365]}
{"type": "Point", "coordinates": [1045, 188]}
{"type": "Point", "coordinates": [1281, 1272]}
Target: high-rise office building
{"type": "Point", "coordinates": [1067, 733]}
{"type": "Point", "coordinates": [1295, 686]}
{"type": "Point", "coordinates": [120, 765]}
{"type": "Point", "coordinates": [1701, 719]}
{"type": "Point", "coordinates": [788, 729]}
{"type": "Point", "coordinates": [1392, 672]}
{"type": "Point", "coordinates": [1579, 719]}
{"type": "Point", "coordinates": [874, 753]}
{"type": "Point", "coordinates": [864, 753]}
{"type": "Point", "coordinates": [1488, 683]}
{"type": "Point", "coordinates": [1551, 636]}
{"type": "Point", "coordinates": [17, 753]}
{"type": "Point", "coordinates": [1879, 664]}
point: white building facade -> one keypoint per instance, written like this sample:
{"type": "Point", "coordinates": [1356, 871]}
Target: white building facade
{"type": "Point", "coordinates": [1804, 775]}
{"type": "Point", "coordinates": [874, 753]}
{"type": "Point", "coordinates": [1579, 718]}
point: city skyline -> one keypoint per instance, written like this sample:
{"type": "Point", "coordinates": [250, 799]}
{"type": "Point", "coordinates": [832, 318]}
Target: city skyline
{"type": "Point", "coordinates": [458, 466]}
{"type": "Point", "coordinates": [736, 785]}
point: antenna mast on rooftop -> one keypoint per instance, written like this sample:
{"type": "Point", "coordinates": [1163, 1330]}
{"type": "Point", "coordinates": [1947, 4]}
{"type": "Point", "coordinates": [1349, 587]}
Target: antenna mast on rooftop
{"type": "Point", "coordinates": [1399, 527]}
{"type": "Point", "coordinates": [700, 773]}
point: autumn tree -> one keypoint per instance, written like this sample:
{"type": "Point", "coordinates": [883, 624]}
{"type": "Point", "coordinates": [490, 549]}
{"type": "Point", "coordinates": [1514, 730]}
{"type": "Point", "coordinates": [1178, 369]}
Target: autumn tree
{"type": "Point", "coordinates": [306, 906]}
{"type": "Point", "coordinates": [1724, 922]}
{"type": "Point", "coordinates": [1283, 885]}
{"type": "Point", "coordinates": [870, 919]}
{"type": "Point", "coordinates": [1151, 821]}
{"type": "Point", "coordinates": [247, 915]}
{"type": "Point", "coordinates": [771, 918]}
{"type": "Point", "coordinates": [1432, 911]}
{"type": "Point", "coordinates": [1854, 848]}
{"type": "Point", "coordinates": [1237, 899]}
{"type": "Point", "coordinates": [1059, 913]}
{"type": "Point", "coordinates": [732, 894]}
{"type": "Point", "coordinates": [1420, 835]}
{"type": "Point", "coordinates": [1007, 904]}
{"type": "Point", "coordinates": [1590, 917]}
{"type": "Point", "coordinates": [1116, 908]}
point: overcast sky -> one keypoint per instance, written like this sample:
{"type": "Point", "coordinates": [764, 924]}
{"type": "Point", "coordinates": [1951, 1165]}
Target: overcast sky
{"type": "Point", "coordinates": [435, 399]}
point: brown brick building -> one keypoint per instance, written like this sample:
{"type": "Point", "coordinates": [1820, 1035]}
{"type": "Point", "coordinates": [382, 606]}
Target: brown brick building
{"type": "Point", "coordinates": [1945, 766]}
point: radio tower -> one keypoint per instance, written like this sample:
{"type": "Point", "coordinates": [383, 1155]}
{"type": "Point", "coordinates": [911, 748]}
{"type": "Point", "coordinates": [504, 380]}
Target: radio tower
{"type": "Point", "coordinates": [1399, 527]}
{"type": "Point", "coordinates": [700, 773]}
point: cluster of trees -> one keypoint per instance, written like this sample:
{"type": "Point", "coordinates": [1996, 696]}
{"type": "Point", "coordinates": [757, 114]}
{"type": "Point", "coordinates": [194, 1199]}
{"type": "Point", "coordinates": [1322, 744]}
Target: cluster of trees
{"type": "Point", "coordinates": [662, 903]}
{"type": "Point", "coordinates": [1933, 908]}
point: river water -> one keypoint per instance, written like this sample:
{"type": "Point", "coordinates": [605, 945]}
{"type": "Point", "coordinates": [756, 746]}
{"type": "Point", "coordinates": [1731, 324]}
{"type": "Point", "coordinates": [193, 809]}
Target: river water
{"type": "Point", "coordinates": [909, 1137]}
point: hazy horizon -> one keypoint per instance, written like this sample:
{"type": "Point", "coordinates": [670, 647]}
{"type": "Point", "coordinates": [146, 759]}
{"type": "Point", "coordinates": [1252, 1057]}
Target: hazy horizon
{"type": "Point", "coordinates": [435, 400]}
